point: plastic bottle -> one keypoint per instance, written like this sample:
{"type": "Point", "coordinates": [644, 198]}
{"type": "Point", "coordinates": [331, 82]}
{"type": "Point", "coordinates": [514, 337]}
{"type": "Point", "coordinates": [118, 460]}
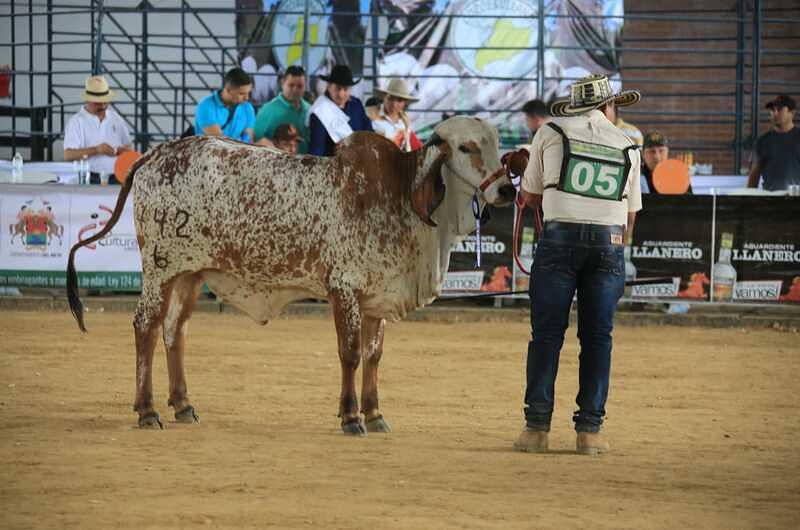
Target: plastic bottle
{"type": "Point", "coordinates": [83, 171]}
{"type": "Point", "coordinates": [16, 168]}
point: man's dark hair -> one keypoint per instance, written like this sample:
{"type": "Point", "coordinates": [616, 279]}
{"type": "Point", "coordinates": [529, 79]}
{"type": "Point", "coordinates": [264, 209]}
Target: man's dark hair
{"type": "Point", "coordinates": [237, 77]}
{"type": "Point", "coordinates": [295, 71]}
{"type": "Point", "coordinates": [535, 107]}
{"type": "Point", "coordinates": [373, 101]}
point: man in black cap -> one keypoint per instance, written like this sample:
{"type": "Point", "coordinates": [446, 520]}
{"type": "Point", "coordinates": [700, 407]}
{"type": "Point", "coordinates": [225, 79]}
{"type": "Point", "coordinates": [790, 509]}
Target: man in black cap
{"type": "Point", "coordinates": [777, 153]}
{"type": "Point", "coordinates": [654, 151]}
{"type": "Point", "coordinates": [336, 114]}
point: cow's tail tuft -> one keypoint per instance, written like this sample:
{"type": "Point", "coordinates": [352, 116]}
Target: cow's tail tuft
{"type": "Point", "coordinates": [75, 304]}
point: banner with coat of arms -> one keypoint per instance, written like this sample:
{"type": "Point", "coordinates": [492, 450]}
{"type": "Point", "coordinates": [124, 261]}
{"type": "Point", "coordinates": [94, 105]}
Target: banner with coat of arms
{"type": "Point", "coordinates": [40, 225]}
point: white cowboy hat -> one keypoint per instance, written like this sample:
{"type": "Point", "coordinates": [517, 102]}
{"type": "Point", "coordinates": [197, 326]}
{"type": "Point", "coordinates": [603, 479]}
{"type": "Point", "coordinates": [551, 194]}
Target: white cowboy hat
{"type": "Point", "coordinates": [97, 90]}
{"type": "Point", "coordinates": [589, 93]}
{"type": "Point", "coordinates": [397, 88]}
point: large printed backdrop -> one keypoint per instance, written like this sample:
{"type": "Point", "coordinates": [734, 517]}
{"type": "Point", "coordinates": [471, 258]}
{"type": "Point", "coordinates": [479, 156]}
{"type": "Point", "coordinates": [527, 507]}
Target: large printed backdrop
{"type": "Point", "coordinates": [442, 48]}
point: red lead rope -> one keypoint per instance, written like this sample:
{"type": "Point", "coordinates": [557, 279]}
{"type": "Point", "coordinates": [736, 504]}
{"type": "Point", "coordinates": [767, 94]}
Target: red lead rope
{"type": "Point", "coordinates": [515, 163]}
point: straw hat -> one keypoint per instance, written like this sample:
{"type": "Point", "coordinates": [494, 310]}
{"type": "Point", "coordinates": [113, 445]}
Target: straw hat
{"type": "Point", "coordinates": [589, 93]}
{"type": "Point", "coordinates": [397, 88]}
{"type": "Point", "coordinates": [97, 90]}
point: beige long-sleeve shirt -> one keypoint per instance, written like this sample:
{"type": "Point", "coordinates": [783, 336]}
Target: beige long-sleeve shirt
{"type": "Point", "coordinates": [544, 170]}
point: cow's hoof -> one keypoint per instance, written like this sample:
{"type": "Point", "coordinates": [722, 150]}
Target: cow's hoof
{"type": "Point", "coordinates": [378, 425]}
{"type": "Point", "coordinates": [150, 421]}
{"type": "Point", "coordinates": [355, 428]}
{"type": "Point", "coordinates": [187, 415]}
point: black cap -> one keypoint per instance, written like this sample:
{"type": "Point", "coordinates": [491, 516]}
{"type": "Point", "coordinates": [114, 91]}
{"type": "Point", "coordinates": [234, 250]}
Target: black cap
{"type": "Point", "coordinates": [782, 100]}
{"type": "Point", "coordinates": [655, 139]}
{"type": "Point", "coordinates": [341, 75]}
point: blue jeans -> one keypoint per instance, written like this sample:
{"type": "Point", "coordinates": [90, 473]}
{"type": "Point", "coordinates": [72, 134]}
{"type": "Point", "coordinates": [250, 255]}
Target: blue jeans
{"type": "Point", "coordinates": [573, 257]}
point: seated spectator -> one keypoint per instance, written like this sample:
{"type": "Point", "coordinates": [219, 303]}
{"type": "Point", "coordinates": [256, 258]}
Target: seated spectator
{"type": "Point", "coordinates": [392, 121]}
{"type": "Point", "coordinates": [373, 108]}
{"type": "Point", "coordinates": [97, 131]}
{"type": "Point", "coordinates": [336, 114]}
{"type": "Point", "coordinates": [777, 152]}
{"type": "Point", "coordinates": [655, 151]}
{"type": "Point", "coordinates": [287, 107]}
{"type": "Point", "coordinates": [536, 115]}
{"type": "Point", "coordinates": [286, 138]}
{"type": "Point", "coordinates": [227, 112]}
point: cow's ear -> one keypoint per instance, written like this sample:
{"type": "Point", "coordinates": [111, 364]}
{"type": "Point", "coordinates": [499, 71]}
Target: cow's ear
{"type": "Point", "coordinates": [430, 192]}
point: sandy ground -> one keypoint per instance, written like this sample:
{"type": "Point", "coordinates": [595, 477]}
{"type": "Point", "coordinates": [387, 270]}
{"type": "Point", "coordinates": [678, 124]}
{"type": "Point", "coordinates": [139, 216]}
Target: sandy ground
{"type": "Point", "coordinates": [703, 426]}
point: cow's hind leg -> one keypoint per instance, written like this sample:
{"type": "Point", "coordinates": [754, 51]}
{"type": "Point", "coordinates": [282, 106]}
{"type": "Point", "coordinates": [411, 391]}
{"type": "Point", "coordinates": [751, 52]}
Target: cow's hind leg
{"type": "Point", "coordinates": [347, 315]}
{"type": "Point", "coordinates": [185, 291]}
{"type": "Point", "coordinates": [146, 323]}
{"type": "Point", "coordinates": [372, 349]}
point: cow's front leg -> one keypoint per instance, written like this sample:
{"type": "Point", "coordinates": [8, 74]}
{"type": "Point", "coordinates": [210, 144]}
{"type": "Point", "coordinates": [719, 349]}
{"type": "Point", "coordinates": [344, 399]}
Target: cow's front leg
{"type": "Point", "coordinates": [347, 315]}
{"type": "Point", "coordinates": [372, 349]}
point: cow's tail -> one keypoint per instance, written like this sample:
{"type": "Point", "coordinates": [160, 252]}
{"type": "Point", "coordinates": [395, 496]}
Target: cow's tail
{"type": "Point", "coordinates": [75, 304]}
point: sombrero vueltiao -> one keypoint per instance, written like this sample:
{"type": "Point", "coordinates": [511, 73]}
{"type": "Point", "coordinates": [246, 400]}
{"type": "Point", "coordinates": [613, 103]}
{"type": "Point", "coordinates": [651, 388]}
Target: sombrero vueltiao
{"type": "Point", "coordinates": [589, 93]}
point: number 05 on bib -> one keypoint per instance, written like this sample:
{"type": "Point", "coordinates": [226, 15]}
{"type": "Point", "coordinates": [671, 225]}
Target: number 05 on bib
{"type": "Point", "coordinates": [593, 170]}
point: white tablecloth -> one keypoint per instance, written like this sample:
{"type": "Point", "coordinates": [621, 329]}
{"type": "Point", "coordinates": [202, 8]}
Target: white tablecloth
{"type": "Point", "coordinates": [41, 172]}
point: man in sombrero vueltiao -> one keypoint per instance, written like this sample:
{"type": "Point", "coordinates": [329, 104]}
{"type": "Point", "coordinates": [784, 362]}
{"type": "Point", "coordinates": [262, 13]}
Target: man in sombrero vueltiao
{"type": "Point", "coordinates": [584, 172]}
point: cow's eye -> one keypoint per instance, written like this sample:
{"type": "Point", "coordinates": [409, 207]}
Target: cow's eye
{"type": "Point", "coordinates": [464, 149]}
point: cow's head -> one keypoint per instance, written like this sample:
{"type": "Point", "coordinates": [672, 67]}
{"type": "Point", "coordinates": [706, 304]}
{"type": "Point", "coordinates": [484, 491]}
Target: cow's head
{"type": "Point", "coordinates": [462, 157]}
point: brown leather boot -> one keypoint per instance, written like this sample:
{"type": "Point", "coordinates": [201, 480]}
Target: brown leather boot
{"type": "Point", "coordinates": [531, 441]}
{"type": "Point", "coordinates": [591, 443]}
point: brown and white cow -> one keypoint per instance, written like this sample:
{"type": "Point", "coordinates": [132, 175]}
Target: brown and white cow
{"type": "Point", "coordinates": [369, 229]}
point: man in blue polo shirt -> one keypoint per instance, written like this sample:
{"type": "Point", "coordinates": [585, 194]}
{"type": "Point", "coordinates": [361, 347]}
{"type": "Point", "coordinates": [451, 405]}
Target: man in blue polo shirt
{"type": "Point", "coordinates": [228, 112]}
{"type": "Point", "coordinates": [287, 107]}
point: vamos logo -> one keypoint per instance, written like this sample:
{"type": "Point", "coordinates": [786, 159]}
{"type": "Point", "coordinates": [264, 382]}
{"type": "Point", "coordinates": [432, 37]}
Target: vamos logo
{"type": "Point", "coordinates": [463, 281]}
{"type": "Point", "coordinates": [668, 250]}
{"type": "Point", "coordinates": [764, 290]}
{"type": "Point", "coordinates": [657, 290]}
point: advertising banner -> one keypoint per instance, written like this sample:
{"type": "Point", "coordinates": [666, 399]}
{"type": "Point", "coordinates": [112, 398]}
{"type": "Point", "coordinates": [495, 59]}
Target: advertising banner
{"type": "Point", "coordinates": [495, 273]}
{"type": "Point", "coordinates": [40, 225]}
{"type": "Point", "coordinates": [757, 250]}
{"type": "Point", "coordinates": [724, 249]}
{"type": "Point", "coordinates": [672, 239]}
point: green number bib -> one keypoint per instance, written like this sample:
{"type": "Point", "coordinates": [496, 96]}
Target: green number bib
{"type": "Point", "coordinates": [593, 170]}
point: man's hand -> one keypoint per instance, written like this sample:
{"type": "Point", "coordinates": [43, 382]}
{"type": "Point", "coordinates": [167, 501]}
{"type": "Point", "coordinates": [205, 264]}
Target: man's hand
{"type": "Point", "coordinates": [105, 149]}
{"type": "Point", "coordinates": [265, 142]}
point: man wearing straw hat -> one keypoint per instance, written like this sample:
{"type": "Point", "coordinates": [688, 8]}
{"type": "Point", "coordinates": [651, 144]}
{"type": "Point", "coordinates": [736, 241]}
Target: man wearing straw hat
{"type": "Point", "coordinates": [584, 172]}
{"type": "Point", "coordinates": [97, 132]}
{"type": "Point", "coordinates": [392, 120]}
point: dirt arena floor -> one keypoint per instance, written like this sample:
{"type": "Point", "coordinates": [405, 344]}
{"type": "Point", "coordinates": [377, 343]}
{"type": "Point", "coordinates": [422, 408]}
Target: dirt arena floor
{"type": "Point", "coordinates": [703, 426]}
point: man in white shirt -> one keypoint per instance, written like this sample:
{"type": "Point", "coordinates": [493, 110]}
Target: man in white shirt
{"type": "Point", "coordinates": [584, 172]}
{"type": "Point", "coordinates": [97, 131]}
